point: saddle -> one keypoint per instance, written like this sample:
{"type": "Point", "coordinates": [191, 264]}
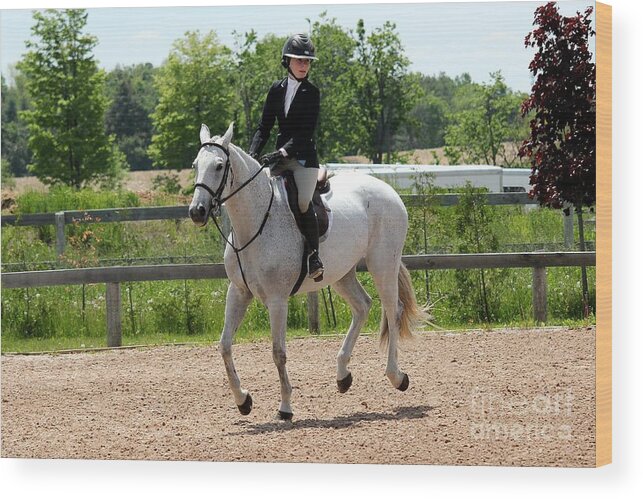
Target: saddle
{"type": "Point", "coordinates": [323, 186]}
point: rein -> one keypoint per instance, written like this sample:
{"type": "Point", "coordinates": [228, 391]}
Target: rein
{"type": "Point", "coordinates": [217, 201]}
{"type": "Point", "coordinates": [216, 196]}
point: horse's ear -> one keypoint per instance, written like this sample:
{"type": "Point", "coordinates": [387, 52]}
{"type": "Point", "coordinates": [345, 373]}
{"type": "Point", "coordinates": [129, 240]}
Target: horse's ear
{"type": "Point", "coordinates": [227, 136]}
{"type": "Point", "coordinates": [204, 135]}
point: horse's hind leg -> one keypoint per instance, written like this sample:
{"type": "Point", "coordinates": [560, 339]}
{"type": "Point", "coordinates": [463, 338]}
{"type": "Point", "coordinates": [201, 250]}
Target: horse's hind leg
{"type": "Point", "coordinates": [385, 277]}
{"type": "Point", "coordinates": [349, 288]}
{"type": "Point", "coordinates": [237, 301]}
{"type": "Point", "coordinates": [278, 310]}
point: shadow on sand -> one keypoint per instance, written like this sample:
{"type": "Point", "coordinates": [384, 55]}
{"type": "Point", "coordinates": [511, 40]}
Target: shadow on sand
{"type": "Point", "coordinates": [340, 422]}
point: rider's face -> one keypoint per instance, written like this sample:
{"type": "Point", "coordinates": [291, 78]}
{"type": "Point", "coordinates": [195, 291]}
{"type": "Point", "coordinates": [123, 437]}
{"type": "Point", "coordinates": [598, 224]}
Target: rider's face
{"type": "Point", "coordinates": [300, 67]}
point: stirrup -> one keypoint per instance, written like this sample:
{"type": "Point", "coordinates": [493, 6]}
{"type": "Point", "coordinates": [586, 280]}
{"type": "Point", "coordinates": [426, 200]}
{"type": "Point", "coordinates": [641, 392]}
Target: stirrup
{"type": "Point", "coordinates": [316, 273]}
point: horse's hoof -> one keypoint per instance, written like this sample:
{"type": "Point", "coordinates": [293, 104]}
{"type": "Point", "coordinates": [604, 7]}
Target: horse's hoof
{"type": "Point", "coordinates": [405, 383]}
{"type": "Point", "coordinates": [246, 407]}
{"type": "Point", "coordinates": [344, 384]}
{"type": "Point", "coordinates": [285, 416]}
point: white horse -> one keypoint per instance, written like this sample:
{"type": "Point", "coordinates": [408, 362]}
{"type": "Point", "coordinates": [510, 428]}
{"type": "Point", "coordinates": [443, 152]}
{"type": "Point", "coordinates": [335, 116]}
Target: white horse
{"type": "Point", "coordinates": [369, 222]}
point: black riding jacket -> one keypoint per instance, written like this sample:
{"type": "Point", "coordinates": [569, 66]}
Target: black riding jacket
{"type": "Point", "coordinates": [296, 131]}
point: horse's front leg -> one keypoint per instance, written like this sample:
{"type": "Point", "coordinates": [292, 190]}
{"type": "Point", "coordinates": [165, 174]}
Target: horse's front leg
{"type": "Point", "coordinates": [237, 301]}
{"type": "Point", "coordinates": [278, 318]}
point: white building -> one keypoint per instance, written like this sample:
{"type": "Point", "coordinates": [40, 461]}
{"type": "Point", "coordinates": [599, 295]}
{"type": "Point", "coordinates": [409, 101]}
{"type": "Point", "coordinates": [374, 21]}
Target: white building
{"type": "Point", "coordinates": [494, 178]}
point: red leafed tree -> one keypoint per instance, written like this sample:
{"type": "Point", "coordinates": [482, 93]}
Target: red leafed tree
{"type": "Point", "coordinates": [562, 144]}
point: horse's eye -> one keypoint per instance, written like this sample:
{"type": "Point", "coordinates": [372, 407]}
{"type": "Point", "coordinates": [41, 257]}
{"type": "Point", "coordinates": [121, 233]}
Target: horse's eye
{"type": "Point", "coordinates": [219, 166]}
{"type": "Point", "coordinates": [194, 165]}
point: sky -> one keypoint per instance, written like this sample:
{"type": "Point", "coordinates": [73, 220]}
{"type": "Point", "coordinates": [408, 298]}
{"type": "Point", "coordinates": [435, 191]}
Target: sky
{"type": "Point", "coordinates": [450, 37]}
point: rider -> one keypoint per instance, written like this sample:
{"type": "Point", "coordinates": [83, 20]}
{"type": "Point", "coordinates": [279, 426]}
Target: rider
{"type": "Point", "coordinates": [294, 102]}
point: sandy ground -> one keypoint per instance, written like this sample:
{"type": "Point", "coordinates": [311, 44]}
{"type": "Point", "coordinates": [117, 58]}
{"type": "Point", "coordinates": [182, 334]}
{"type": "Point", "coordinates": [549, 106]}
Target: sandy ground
{"type": "Point", "coordinates": [502, 397]}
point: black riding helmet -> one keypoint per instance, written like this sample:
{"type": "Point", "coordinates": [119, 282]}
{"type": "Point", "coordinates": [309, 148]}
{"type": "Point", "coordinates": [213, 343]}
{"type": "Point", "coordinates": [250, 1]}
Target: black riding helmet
{"type": "Point", "coordinates": [298, 46]}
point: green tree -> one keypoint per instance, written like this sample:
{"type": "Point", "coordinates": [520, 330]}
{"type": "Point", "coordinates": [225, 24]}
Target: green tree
{"type": "Point", "coordinates": [258, 64]}
{"type": "Point", "coordinates": [473, 224]}
{"type": "Point", "coordinates": [15, 150]}
{"type": "Point", "coordinates": [425, 123]}
{"type": "Point", "coordinates": [385, 90]}
{"type": "Point", "coordinates": [133, 99]}
{"type": "Point", "coordinates": [422, 219]}
{"type": "Point", "coordinates": [339, 131]}
{"type": "Point", "coordinates": [561, 147]}
{"type": "Point", "coordinates": [66, 123]}
{"type": "Point", "coordinates": [195, 85]}
{"type": "Point", "coordinates": [490, 129]}
{"type": "Point", "coordinates": [444, 86]}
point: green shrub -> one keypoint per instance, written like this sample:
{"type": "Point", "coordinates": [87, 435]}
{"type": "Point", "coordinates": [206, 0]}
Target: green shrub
{"type": "Point", "coordinates": [61, 198]}
{"type": "Point", "coordinates": [167, 182]}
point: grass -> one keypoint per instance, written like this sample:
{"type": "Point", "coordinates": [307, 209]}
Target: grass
{"type": "Point", "coordinates": [67, 317]}
{"type": "Point", "coordinates": [155, 313]}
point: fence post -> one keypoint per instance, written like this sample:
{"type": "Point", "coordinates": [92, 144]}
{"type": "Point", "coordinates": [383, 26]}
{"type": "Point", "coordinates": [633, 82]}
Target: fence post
{"type": "Point", "coordinates": [539, 293]}
{"type": "Point", "coordinates": [113, 301]}
{"type": "Point", "coordinates": [568, 227]}
{"type": "Point", "coordinates": [313, 312]}
{"type": "Point", "coordinates": [60, 232]}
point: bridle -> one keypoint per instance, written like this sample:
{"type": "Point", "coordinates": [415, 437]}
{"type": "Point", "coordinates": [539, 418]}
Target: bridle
{"type": "Point", "coordinates": [218, 200]}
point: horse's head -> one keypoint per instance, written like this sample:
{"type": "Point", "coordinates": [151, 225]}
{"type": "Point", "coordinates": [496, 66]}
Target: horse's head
{"type": "Point", "coordinates": [212, 164]}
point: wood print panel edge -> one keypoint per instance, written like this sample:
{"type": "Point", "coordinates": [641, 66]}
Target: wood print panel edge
{"type": "Point", "coordinates": [604, 234]}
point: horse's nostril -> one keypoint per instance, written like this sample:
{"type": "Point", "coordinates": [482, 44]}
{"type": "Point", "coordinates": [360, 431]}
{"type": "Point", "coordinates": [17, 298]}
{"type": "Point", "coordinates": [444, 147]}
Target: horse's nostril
{"type": "Point", "coordinates": [198, 213]}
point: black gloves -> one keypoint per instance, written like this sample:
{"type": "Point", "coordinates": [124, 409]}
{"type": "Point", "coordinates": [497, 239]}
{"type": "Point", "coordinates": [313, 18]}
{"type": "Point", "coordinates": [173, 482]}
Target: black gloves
{"type": "Point", "coordinates": [272, 159]}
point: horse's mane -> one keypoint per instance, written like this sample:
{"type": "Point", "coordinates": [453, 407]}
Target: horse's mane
{"type": "Point", "coordinates": [239, 150]}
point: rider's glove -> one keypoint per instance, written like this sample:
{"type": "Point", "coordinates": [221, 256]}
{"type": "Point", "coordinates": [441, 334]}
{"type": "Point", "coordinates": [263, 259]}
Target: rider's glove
{"type": "Point", "coordinates": [272, 159]}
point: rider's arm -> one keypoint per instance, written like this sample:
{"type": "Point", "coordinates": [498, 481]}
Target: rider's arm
{"type": "Point", "coordinates": [268, 117]}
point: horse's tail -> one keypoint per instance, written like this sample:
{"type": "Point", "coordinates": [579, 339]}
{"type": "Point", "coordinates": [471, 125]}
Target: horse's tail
{"type": "Point", "coordinates": [410, 315]}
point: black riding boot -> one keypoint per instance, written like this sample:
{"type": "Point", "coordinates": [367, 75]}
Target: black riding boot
{"type": "Point", "coordinates": [311, 233]}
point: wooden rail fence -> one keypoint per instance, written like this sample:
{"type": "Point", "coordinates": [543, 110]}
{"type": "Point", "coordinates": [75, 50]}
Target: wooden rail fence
{"type": "Point", "coordinates": [177, 212]}
{"type": "Point", "coordinates": [114, 276]}
{"type": "Point", "coordinates": [137, 214]}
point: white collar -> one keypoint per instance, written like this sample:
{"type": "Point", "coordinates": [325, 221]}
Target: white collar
{"type": "Point", "coordinates": [291, 90]}
{"type": "Point", "coordinates": [293, 81]}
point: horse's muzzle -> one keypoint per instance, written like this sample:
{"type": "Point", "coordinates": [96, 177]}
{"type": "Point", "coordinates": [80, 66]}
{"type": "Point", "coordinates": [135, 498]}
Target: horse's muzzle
{"type": "Point", "coordinates": [199, 214]}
